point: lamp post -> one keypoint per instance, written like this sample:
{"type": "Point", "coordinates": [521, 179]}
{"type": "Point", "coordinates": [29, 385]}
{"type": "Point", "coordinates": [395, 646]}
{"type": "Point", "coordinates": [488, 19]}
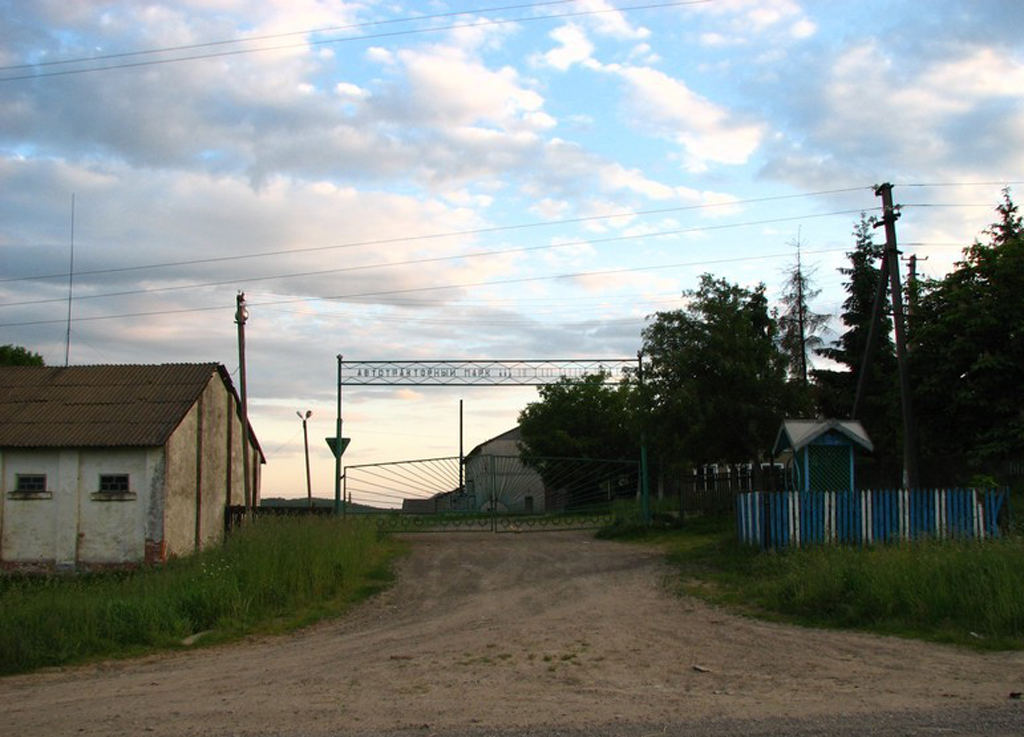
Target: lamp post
{"type": "Point", "coordinates": [305, 442]}
{"type": "Point", "coordinates": [241, 315]}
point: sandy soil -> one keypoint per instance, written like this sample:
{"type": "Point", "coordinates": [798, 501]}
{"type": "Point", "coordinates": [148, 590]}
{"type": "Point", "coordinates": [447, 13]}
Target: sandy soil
{"type": "Point", "coordinates": [513, 631]}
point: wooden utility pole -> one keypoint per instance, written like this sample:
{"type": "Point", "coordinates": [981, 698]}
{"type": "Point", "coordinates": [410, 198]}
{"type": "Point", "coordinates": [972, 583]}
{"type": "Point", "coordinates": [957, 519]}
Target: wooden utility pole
{"type": "Point", "coordinates": [305, 443]}
{"type": "Point", "coordinates": [241, 315]}
{"type": "Point", "coordinates": [892, 257]}
{"type": "Point", "coordinates": [912, 287]}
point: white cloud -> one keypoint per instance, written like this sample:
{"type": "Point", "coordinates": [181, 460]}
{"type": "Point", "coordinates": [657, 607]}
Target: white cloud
{"type": "Point", "coordinates": [350, 91]}
{"type": "Point", "coordinates": [574, 48]}
{"type": "Point", "coordinates": [607, 20]}
{"type": "Point", "coordinates": [379, 55]}
{"type": "Point", "coordinates": [447, 87]}
{"type": "Point", "coordinates": [802, 29]}
{"type": "Point", "coordinates": [708, 132]}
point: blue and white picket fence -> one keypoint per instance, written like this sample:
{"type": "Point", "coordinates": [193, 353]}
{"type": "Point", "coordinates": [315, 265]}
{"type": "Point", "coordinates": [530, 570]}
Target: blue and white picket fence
{"type": "Point", "coordinates": [778, 519]}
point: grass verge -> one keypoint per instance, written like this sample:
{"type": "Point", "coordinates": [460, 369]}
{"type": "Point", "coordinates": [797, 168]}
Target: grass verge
{"type": "Point", "coordinates": [274, 575]}
{"type": "Point", "coordinates": [966, 592]}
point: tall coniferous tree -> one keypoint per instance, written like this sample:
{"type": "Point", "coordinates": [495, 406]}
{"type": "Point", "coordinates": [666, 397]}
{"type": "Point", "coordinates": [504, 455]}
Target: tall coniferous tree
{"type": "Point", "coordinates": [800, 328]}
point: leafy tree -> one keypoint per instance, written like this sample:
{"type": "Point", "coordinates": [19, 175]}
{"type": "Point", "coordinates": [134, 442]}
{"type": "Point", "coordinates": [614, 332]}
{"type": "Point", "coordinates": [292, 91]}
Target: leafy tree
{"type": "Point", "coordinates": [15, 355]}
{"type": "Point", "coordinates": [715, 379]}
{"type": "Point", "coordinates": [800, 328]}
{"type": "Point", "coordinates": [968, 351]}
{"type": "Point", "coordinates": [580, 418]}
{"type": "Point", "coordinates": [880, 407]}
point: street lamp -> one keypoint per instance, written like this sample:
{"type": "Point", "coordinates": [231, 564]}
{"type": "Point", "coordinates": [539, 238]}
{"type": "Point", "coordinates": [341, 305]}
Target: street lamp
{"type": "Point", "coordinates": [305, 442]}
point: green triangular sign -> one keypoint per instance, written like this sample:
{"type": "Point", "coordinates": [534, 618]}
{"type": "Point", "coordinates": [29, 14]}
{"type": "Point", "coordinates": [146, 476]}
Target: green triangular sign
{"type": "Point", "coordinates": [333, 444]}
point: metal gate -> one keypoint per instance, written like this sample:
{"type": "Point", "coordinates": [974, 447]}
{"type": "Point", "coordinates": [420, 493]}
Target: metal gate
{"type": "Point", "coordinates": [493, 493]}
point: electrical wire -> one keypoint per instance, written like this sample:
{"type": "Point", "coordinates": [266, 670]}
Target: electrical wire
{"type": "Point", "coordinates": [432, 259]}
{"type": "Point", "coordinates": [364, 37]}
{"type": "Point", "coordinates": [271, 36]}
{"type": "Point", "coordinates": [447, 234]}
{"type": "Point", "coordinates": [439, 287]}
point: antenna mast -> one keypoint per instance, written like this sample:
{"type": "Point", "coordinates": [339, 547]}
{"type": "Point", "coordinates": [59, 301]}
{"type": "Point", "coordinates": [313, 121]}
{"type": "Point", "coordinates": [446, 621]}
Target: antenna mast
{"type": "Point", "coordinates": [71, 284]}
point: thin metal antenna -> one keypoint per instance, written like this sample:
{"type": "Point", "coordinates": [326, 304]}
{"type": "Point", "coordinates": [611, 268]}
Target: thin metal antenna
{"type": "Point", "coordinates": [71, 284]}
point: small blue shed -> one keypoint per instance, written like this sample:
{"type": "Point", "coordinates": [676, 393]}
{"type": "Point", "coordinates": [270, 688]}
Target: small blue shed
{"type": "Point", "coordinates": [822, 453]}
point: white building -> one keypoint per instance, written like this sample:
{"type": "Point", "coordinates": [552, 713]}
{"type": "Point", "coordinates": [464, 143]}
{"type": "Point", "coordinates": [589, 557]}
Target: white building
{"type": "Point", "coordinates": [118, 465]}
{"type": "Point", "coordinates": [497, 478]}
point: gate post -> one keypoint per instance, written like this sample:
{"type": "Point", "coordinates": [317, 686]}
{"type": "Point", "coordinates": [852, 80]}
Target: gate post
{"type": "Point", "coordinates": [493, 494]}
{"type": "Point", "coordinates": [645, 485]}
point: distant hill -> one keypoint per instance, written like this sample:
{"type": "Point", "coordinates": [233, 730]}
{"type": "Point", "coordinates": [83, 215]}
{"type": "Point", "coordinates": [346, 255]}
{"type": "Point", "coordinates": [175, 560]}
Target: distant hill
{"type": "Point", "coordinates": [322, 502]}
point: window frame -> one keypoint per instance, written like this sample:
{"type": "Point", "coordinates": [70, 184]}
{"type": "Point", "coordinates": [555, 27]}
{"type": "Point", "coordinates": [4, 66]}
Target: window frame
{"type": "Point", "coordinates": [116, 491]}
{"type": "Point", "coordinates": [21, 491]}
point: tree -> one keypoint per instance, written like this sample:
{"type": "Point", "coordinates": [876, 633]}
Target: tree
{"type": "Point", "coordinates": [880, 409]}
{"type": "Point", "coordinates": [580, 418]}
{"type": "Point", "coordinates": [15, 355]}
{"type": "Point", "coordinates": [715, 379]}
{"type": "Point", "coordinates": [571, 433]}
{"type": "Point", "coordinates": [800, 328]}
{"type": "Point", "coordinates": [968, 351]}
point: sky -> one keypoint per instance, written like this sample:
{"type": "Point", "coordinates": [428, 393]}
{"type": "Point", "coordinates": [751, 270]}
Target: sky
{"type": "Point", "coordinates": [466, 180]}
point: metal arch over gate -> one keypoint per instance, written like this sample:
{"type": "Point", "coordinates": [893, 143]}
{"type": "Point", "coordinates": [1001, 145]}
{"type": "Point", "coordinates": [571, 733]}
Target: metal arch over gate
{"type": "Point", "coordinates": [480, 373]}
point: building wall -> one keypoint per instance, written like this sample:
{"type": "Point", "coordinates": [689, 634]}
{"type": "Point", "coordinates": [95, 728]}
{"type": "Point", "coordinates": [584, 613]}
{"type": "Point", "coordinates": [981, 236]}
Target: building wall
{"type": "Point", "coordinates": [72, 523]}
{"type": "Point", "coordinates": [177, 494]}
{"type": "Point", "coordinates": [179, 528]}
{"type": "Point", "coordinates": [112, 527]}
{"type": "Point", "coordinates": [204, 465]}
{"type": "Point", "coordinates": [512, 481]}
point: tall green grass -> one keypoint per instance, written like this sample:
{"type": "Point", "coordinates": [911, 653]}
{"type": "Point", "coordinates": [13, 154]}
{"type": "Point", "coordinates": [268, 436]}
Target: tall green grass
{"type": "Point", "coordinates": [949, 591]}
{"type": "Point", "coordinates": [967, 592]}
{"type": "Point", "coordinates": [275, 574]}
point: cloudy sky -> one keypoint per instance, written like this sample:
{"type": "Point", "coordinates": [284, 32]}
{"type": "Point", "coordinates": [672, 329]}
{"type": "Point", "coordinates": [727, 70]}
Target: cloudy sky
{"type": "Point", "coordinates": [428, 180]}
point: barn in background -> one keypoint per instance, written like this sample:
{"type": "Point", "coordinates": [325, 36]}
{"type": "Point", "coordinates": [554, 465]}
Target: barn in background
{"type": "Point", "coordinates": [118, 465]}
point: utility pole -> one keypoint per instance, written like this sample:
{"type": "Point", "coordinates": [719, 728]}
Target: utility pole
{"type": "Point", "coordinates": [241, 315]}
{"type": "Point", "coordinates": [305, 442]}
{"type": "Point", "coordinates": [645, 487]}
{"type": "Point", "coordinates": [912, 286]}
{"type": "Point", "coordinates": [892, 258]}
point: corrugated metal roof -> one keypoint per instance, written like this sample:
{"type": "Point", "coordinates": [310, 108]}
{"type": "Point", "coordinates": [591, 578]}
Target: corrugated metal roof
{"type": "Point", "coordinates": [98, 406]}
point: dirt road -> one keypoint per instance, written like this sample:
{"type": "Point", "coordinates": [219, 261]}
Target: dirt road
{"type": "Point", "coordinates": [523, 633]}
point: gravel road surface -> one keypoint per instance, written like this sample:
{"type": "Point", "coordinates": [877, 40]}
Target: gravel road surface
{"type": "Point", "coordinates": [532, 634]}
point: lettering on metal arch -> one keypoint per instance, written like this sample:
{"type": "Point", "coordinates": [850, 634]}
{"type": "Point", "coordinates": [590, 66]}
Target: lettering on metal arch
{"type": "Point", "coordinates": [480, 373]}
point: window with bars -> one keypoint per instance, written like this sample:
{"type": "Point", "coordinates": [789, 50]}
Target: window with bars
{"type": "Point", "coordinates": [31, 482]}
{"type": "Point", "coordinates": [114, 483]}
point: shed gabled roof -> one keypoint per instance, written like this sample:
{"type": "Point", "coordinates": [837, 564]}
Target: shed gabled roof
{"type": "Point", "coordinates": [514, 434]}
{"type": "Point", "coordinates": [795, 434]}
{"type": "Point", "coordinates": [99, 406]}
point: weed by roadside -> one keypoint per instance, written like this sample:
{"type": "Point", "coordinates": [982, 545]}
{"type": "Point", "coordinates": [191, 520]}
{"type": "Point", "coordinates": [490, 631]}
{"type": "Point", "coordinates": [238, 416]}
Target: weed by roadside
{"type": "Point", "coordinates": [964, 592]}
{"type": "Point", "coordinates": [274, 575]}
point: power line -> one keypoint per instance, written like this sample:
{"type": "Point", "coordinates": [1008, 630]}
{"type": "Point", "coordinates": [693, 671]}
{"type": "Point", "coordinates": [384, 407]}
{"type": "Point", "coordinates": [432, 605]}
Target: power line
{"type": "Point", "coordinates": [271, 36]}
{"type": "Point", "coordinates": [438, 287]}
{"type": "Point", "coordinates": [438, 236]}
{"type": "Point", "coordinates": [960, 184]}
{"type": "Point", "coordinates": [364, 37]}
{"type": "Point", "coordinates": [433, 259]}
